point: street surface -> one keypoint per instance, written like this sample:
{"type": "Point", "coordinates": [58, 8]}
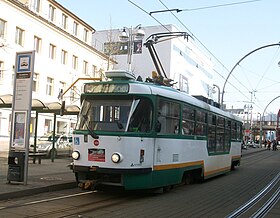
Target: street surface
{"type": "Point", "coordinates": [217, 197]}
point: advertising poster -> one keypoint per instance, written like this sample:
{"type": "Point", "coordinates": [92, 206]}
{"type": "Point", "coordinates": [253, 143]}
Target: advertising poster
{"type": "Point", "coordinates": [19, 130]}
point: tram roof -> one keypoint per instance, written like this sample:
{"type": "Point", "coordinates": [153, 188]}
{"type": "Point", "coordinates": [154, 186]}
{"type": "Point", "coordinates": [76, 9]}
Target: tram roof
{"type": "Point", "coordinates": [169, 92]}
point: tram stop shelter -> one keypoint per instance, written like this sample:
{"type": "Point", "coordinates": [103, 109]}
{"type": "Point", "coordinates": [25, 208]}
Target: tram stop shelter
{"type": "Point", "coordinates": [39, 106]}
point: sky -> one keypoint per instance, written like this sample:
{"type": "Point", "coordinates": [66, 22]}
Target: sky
{"type": "Point", "coordinates": [226, 30]}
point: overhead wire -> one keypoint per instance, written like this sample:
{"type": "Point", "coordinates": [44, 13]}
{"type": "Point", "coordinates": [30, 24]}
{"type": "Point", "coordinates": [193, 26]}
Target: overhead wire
{"type": "Point", "coordinates": [273, 60]}
{"type": "Point", "coordinates": [193, 36]}
{"type": "Point", "coordinates": [149, 15]}
{"type": "Point", "coordinates": [221, 5]}
{"type": "Point", "coordinates": [205, 46]}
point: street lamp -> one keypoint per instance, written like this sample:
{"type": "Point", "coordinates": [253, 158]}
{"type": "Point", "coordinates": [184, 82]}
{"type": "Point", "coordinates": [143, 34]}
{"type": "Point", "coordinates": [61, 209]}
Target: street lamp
{"type": "Point", "coordinates": [219, 91]}
{"type": "Point", "coordinates": [131, 35]}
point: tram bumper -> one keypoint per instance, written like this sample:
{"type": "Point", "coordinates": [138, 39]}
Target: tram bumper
{"type": "Point", "coordinates": [90, 177]}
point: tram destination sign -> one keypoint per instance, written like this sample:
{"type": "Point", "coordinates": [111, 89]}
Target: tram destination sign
{"type": "Point", "coordinates": [106, 88]}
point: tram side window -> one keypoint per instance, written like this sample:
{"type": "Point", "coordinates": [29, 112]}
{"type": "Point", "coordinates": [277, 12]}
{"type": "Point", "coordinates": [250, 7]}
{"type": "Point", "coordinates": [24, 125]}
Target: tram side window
{"type": "Point", "coordinates": [188, 120]}
{"type": "Point", "coordinates": [239, 131]}
{"type": "Point", "coordinates": [227, 135]}
{"type": "Point", "coordinates": [220, 134]}
{"type": "Point", "coordinates": [168, 117]}
{"type": "Point", "coordinates": [211, 133]}
{"type": "Point", "coordinates": [200, 127]}
{"type": "Point", "coordinates": [233, 130]}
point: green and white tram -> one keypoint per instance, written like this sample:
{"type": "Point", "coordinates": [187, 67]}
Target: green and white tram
{"type": "Point", "coordinates": [139, 135]}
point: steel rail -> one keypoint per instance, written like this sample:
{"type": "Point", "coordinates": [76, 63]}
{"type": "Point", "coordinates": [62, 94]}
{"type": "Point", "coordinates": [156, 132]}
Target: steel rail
{"type": "Point", "coordinates": [244, 208]}
{"type": "Point", "coordinates": [268, 205]}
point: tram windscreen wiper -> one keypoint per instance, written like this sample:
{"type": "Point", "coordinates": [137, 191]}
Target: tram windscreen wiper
{"type": "Point", "coordinates": [91, 132]}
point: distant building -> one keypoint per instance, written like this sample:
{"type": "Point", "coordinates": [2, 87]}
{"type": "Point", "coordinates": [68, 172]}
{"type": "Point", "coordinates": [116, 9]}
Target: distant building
{"type": "Point", "coordinates": [183, 62]}
{"type": "Point", "coordinates": [64, 52]}
{"type": "Point", "coordinates": [252, 123]}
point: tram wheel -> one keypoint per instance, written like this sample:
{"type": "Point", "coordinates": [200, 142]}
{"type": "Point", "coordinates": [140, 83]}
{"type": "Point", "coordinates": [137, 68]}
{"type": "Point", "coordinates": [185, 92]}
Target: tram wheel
{"type": "Point", "coordinates": [188, 179]}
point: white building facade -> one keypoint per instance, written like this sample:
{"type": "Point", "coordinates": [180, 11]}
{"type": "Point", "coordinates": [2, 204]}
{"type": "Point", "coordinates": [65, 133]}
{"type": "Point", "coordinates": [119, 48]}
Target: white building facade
{"type": "Point", "coordinates": [63, 53]}
{"type": "Point", "coordinates": [191, 70]}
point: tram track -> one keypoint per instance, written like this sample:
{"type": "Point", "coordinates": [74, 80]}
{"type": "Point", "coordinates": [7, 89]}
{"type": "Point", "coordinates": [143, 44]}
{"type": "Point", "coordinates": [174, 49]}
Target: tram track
{"type": "Point", "coordinates": [262, 211]}
{"type": "Point", "coordinates": [95, 204]}
{"type": "Point", "coordinates": [82, 208]}
{"type": "Point", "coordinates": [216, 197]}
{"type": "Point", "coordinates": [258, 156]}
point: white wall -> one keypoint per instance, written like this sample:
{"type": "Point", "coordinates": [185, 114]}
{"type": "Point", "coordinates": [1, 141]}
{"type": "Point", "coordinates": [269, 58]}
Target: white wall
{"type": "Point", "coordinates": [49, 33]}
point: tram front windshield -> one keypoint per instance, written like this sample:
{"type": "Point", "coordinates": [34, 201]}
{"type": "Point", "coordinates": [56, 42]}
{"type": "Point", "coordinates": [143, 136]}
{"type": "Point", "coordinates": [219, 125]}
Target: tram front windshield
{"type": "Point", "coordinates": [129, 115]}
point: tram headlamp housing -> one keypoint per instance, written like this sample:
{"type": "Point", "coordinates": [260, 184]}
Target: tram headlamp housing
{"type": "Point", "coordinates": [75, 155]}
{"type": "Point", "coordinates": [116, 157]}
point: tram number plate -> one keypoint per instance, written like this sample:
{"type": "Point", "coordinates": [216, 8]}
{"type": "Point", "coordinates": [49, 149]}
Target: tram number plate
{"type": "Point", "coordinates": [96, 154]}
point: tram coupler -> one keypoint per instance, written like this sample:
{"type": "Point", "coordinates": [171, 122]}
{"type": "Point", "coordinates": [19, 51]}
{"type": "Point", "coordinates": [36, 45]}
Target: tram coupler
{"type": "Point", "coordinates": [89, 184]}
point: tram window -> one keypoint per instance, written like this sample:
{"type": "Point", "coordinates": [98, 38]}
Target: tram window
{"type": "Point", "coordinates": [239, 132]}
{"type": "Point", "coordinates": [141, 118]}
{"type": "Point", "coordinates": [168, 117]}
{"type": "Point", "coordinates": [233, 130]}
{"type": "Point", "coordinates": [188, 120]}
{"type": "Point", "coordinates": [221, 121]}
{"type": "Point", "coordinates": [200, 128]}
{"type": "Point", "coordinates": [211, 133]}
{"type": "Point", "coordinates": [104, 115]}
{"type": "Point", "coordinates": [227, 135]}
{"type": "Point", "coordinates": [220, 134]}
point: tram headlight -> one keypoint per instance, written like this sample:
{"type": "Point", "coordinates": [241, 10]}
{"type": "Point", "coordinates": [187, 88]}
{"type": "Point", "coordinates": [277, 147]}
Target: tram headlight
{"type": "Point", "coordinates": [116, 157]}
{"type": "Point", "coordinates": [75, 155]}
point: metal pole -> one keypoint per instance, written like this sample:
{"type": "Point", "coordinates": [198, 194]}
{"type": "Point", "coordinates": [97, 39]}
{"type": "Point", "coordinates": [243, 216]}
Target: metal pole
{"type": "Point", "coordinates": [223, 90]}
{"type": "Point", "coordinates": [53, 137]}
{"type": "Point", "coordinates": [261, 126]}
{"type": "Point", "coordinates": [35, 137]}
{"type": "Point", "coordinates": [130, 48]}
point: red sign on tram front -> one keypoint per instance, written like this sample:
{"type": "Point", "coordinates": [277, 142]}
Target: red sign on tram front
{"type": "Point", "coordinates": [95, 154]}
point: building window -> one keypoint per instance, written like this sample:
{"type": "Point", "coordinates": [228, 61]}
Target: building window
{"type": "Point", "coordinates": [49, 87]}
{"type": "Point", "coordinates": [75, 62]}
{"type": "Point", "coordinates": [35, 84]}
{"type": "Point", "coordinates": [51, 13]}
{"type": "Point", "coordinates": [52, 51]}
{"type": "Point", "coordinates": [64, 21]}
{"type": "Point", "coordinates": [94, 71]}
{"type": "Point", "coordinates": [85, 35]}
{"type": "Point", "coordinates": [85, 67]}
{"type": "Point", "coordinates": [37, 44]}
{"type": "Point", "coordinates": [36, 5]}
{"type": "Point", "coordinates": [64, 57]}
{"type": "Point", "coordinates": [75, 28]}
{"type": "Point", "coordinates": [1, 70]}
{"type": "Point", "coordinates": [19, 36]}
{"type": "Point", "coordinates": [2, 28]}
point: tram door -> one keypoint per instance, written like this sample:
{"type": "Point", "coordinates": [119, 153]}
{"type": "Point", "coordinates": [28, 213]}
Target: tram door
{"type": "Point", "coordinates": [167, 124]}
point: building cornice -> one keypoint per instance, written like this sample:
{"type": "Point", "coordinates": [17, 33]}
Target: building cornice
{"type": "Point", "coordinates": [56, 4]}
